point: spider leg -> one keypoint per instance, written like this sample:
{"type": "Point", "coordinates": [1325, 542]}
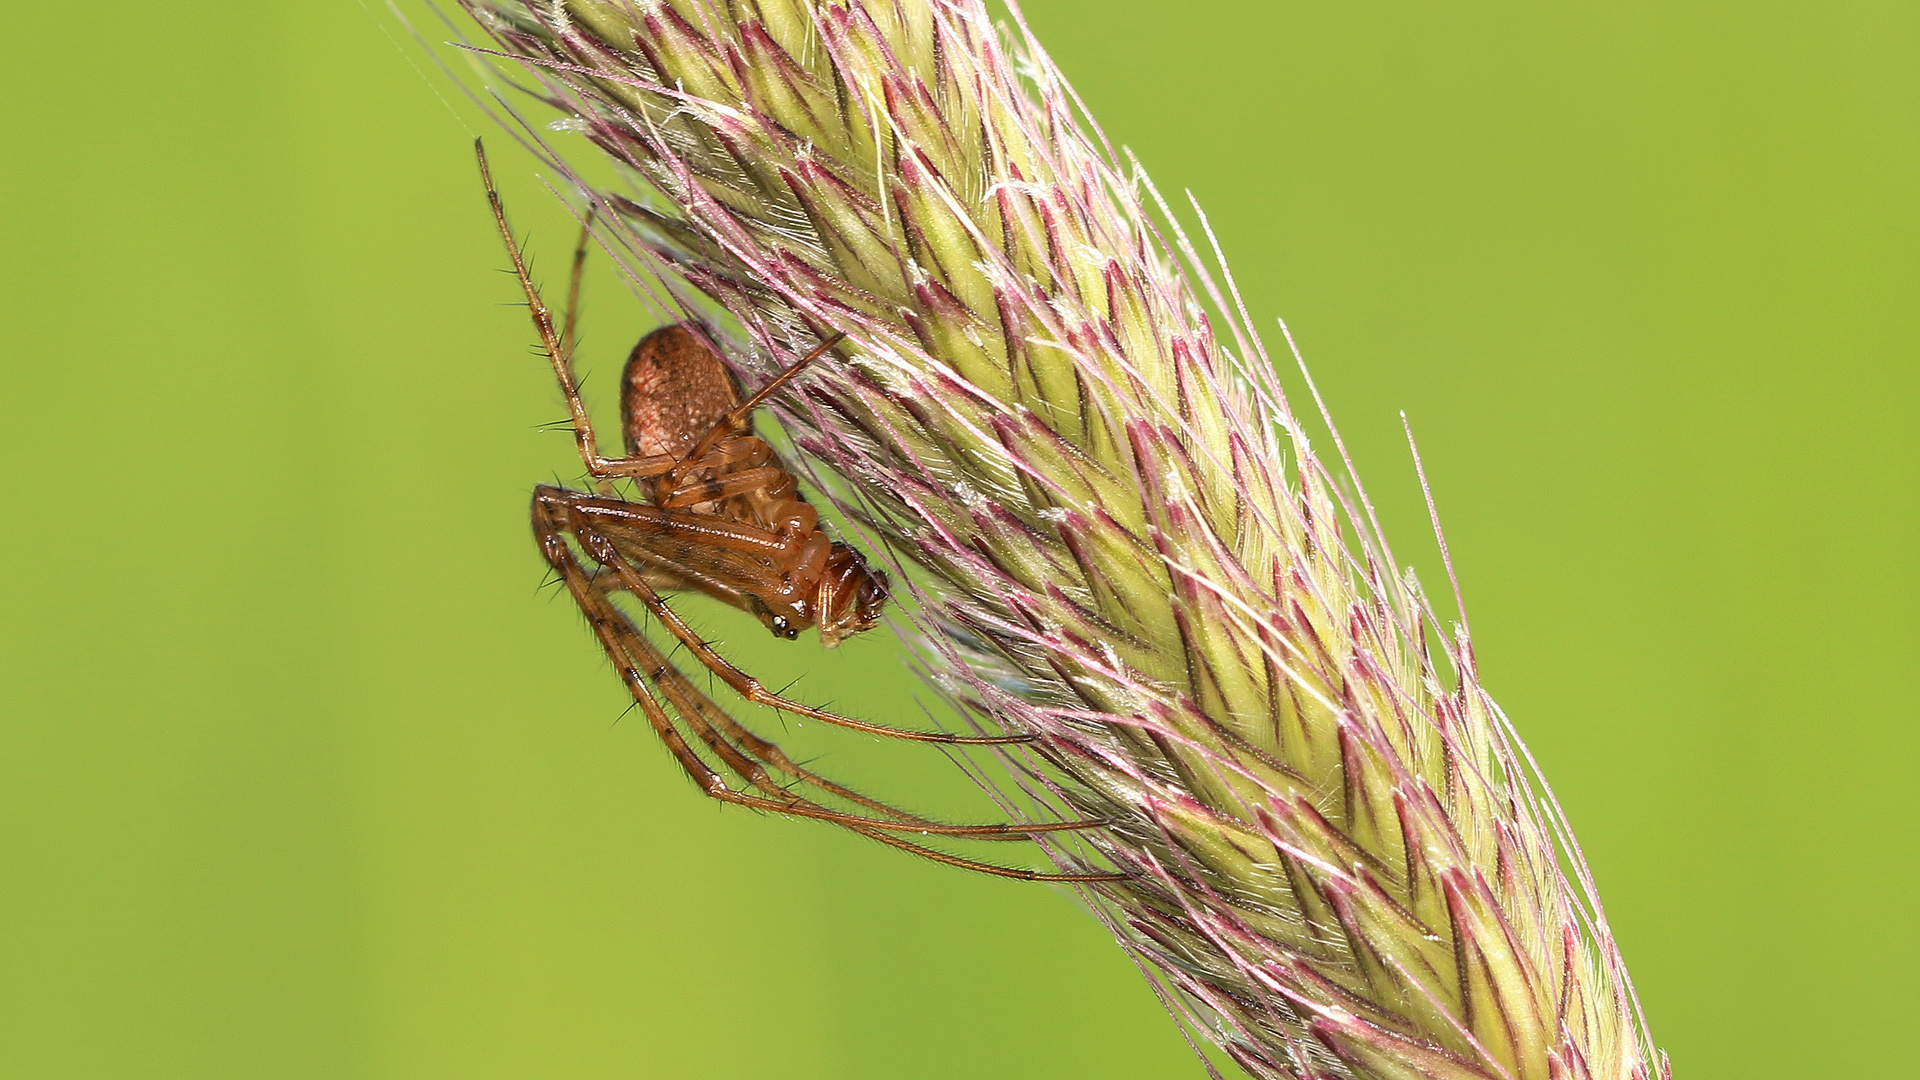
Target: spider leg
{"type": "Point", "coordinates": [727, 738]}
{"type": "Point", "coordinates": [551, 342]}
{"type": "Point", "coordinates": [717, 729]}
{"type": "Point", "coordinates": [567, 339]}
{"type": "Point", "coordinates": [557, 512]}
{"type": "Point", "coordinates": [643, 669]}
{"type": "Point", "coordinates": [985, 868]}
{"type": "Point", "coordinates": [736, 418]}
{"type": "Point", "coordinates": [603, 551]}
{"type": "Point", "coordinates": [688, 700]}
{"type": "Point", "coordinates": [723, 487]}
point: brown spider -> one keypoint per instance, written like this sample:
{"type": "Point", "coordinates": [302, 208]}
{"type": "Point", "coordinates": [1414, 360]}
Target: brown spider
{"type": "Point", "coordinates": [725, 518]}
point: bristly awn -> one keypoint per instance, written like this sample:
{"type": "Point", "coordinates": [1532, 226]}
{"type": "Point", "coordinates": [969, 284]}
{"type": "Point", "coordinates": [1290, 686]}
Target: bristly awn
{"type": "Point", "coordinates": [724, 517]}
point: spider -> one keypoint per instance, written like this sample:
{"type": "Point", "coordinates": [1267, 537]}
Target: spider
{"type": "Point", "coordinates": [723, 517]}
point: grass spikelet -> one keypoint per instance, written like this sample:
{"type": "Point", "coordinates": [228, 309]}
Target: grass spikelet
{"type": "Point", "coordinates": [1337, 854]}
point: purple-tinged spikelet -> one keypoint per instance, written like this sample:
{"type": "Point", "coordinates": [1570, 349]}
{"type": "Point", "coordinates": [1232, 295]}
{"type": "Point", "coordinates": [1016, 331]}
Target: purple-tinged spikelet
{"type": "Point", "coordinates": [1338, 854]}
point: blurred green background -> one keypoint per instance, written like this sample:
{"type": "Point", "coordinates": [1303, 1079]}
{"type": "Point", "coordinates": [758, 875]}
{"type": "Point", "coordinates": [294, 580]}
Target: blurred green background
{"type": "Point", "coordinates": [301, 775]}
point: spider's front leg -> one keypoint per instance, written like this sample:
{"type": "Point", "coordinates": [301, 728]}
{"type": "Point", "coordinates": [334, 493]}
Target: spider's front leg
{"type": "Point", "coordinates": [558, 347]}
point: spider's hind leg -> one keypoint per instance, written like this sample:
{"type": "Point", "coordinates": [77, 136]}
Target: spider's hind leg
{"type": "Point", "coordinates": [642, 526]}
{"type": "Point", "coordinates": [650, 677]}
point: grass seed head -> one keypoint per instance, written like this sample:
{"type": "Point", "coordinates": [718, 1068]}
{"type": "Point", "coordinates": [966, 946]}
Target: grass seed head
{"type": "Point", "coordinates": [1338, 857]}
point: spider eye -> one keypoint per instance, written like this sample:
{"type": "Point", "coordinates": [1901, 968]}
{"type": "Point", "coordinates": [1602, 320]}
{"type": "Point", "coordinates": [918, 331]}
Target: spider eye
{"type": "Point", "coordinates": [778, 624]}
